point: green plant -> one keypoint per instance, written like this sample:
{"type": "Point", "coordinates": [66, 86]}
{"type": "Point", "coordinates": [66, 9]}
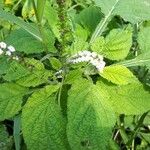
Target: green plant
{"type": "Point", "coordinates": [76, 75]}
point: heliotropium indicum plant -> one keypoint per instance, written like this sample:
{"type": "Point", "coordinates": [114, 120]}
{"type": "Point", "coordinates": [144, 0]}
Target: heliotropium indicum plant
{"type": "Point", "coordinates": [74, 75]}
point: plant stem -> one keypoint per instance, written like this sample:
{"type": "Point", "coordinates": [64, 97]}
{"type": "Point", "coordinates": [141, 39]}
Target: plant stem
{"type": "Point", "coordinates": [122, 129]}
{"type": "Point", "coordinates": [16, 131]}
{"type": "Point", "coordinates": [103, 23]}
{"type": "Point", "coordinates": [60, 91]}
{"type": "Point", "coordinates": [140, 122]}
{"type": "Point", "coordinates": [16, 5]}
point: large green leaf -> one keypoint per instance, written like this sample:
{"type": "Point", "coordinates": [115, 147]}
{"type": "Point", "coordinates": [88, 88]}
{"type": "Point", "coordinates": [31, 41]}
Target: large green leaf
{"type": "Point", "coordinates": [131, 10]}
{"type": "Point", "coordinates": [131, 99]}
{"type": "Point", "coordinates": [38, 74]}
{"type": "Point", "coordinates": [26, 26]}
{"type": "Point", "coordinates": [42, 121]}
{"type": "Point", "coordinates": [91, 13]}
{"type": "Point", "coordinates": [117, 44]}
{"type": "Point", "coordinates": [90, 117]}
{"type": "Point", "coordinates": [118, 74]}
{"type": "Point", "coordinates": [24, 42]}
{"type": "Point", "coordinates": [143, 40]}
{"type": "Point", "coordinates": [35, 78]}
{"type": "Point", "coordinates": [16, 71]}
{"type": "Point", "coordinates": [31, 74]}
{"type": "Point", "coordinates": [98, 45]}
{"type": "Point", "coordinates": [10, 99]}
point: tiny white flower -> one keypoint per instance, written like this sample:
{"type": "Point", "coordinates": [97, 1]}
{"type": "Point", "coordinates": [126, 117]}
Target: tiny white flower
{"type": "Point", "coordinates": [8, 53]}
{"type": "Point", "coordinates": [87, 53]}
{"type": "Point", "coordinates": [82, 59]}
{"type": "Point", "coordinates": [16, 58]}
{"type": "Point", "coordinates": [87, 58]}
{"type": "Point", "coordinates": [1, 51]}
{"type": "Point", "coordinates": [74, 61]}
{"type": "Point", "coordinates": [100, 57]}
{"type": "Point", "coordinates": [79, 59]}
{"type": "Point", "coordinates": [101, 66]}
{"type": "Point", "coordinates": [94, 54]}
{"type": "Point", "coordinates": [94, 62]}
{"type": "Point", "coordinates": [3, 45]}
{"type": "Point", "coordinates": [91, 59]}
{"type": "Point", "coordinates": [11, 48]}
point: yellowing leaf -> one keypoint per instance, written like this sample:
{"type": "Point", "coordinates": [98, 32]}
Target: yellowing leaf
{"type": "Point", "coordinates": [118, 74]}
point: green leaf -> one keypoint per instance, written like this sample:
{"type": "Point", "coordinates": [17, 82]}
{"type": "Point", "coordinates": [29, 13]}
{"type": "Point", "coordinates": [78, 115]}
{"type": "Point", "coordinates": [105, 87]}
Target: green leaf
{"type": "Point", "coordinates": [130, 10]}
{"type": "Point", "coordinates": [40, 9]}
{"type": "Point", "coordinates": [4, 138]}
{"type": "Point", "coordinates": [3, 134]}
{"type": "Point", "coordinates": [30, 74]}
{"type": "Point", "coordinates": [118, 74]}
{"type": "Point", "coordinates": [4, 65]}
{"type": "Point", "coordinates": [16, 71]}
{"type": "Point", "coordinates": [38, 74]}
{"type": "Point", "coordinates": [49, 38]}
{"type": "Point", "coordinates": [80, 33]}
{"type": "Point", "coordinates": [26, 26]}
{"type": "Point", "coordinates": [50, 14]}
{"type": "Point", "coordinates": [10, 99]}
{"type": "Point", "coordinates": [131, 99]}
{"type": "Point", "coordinates": [143, 40]}
{"type": "Point", "coordinates": [16, 131]}
{"type": "Point", "coordinates": [42, 123]}
{"type": "Point", "coordinates": [74, 76]}
{"type": "Point", "coordinates": [33, 63]}
{"type": "Point", "coordinates": [80, 40]}
{"type": "Point", "coordinates": [24, 42]}
{"type": "Point", "coordinates": [98, 44]}
{"type": "Point", "coordinates": [117, 44]}
{"type": "Point", "coordinates": [90, 117]}
{"type": "Point", "coordinates": [35, 78]}
{"type": "Point", "coordinates": [84, 18]}
{"type": "Point", "coordinates": [56, 64]}
{"type": "Point", "coordinates": [141, 60]}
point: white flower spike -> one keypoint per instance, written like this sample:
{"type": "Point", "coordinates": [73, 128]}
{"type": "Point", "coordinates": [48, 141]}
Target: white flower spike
{"type": "Point", "coordinates": [91, 57]}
